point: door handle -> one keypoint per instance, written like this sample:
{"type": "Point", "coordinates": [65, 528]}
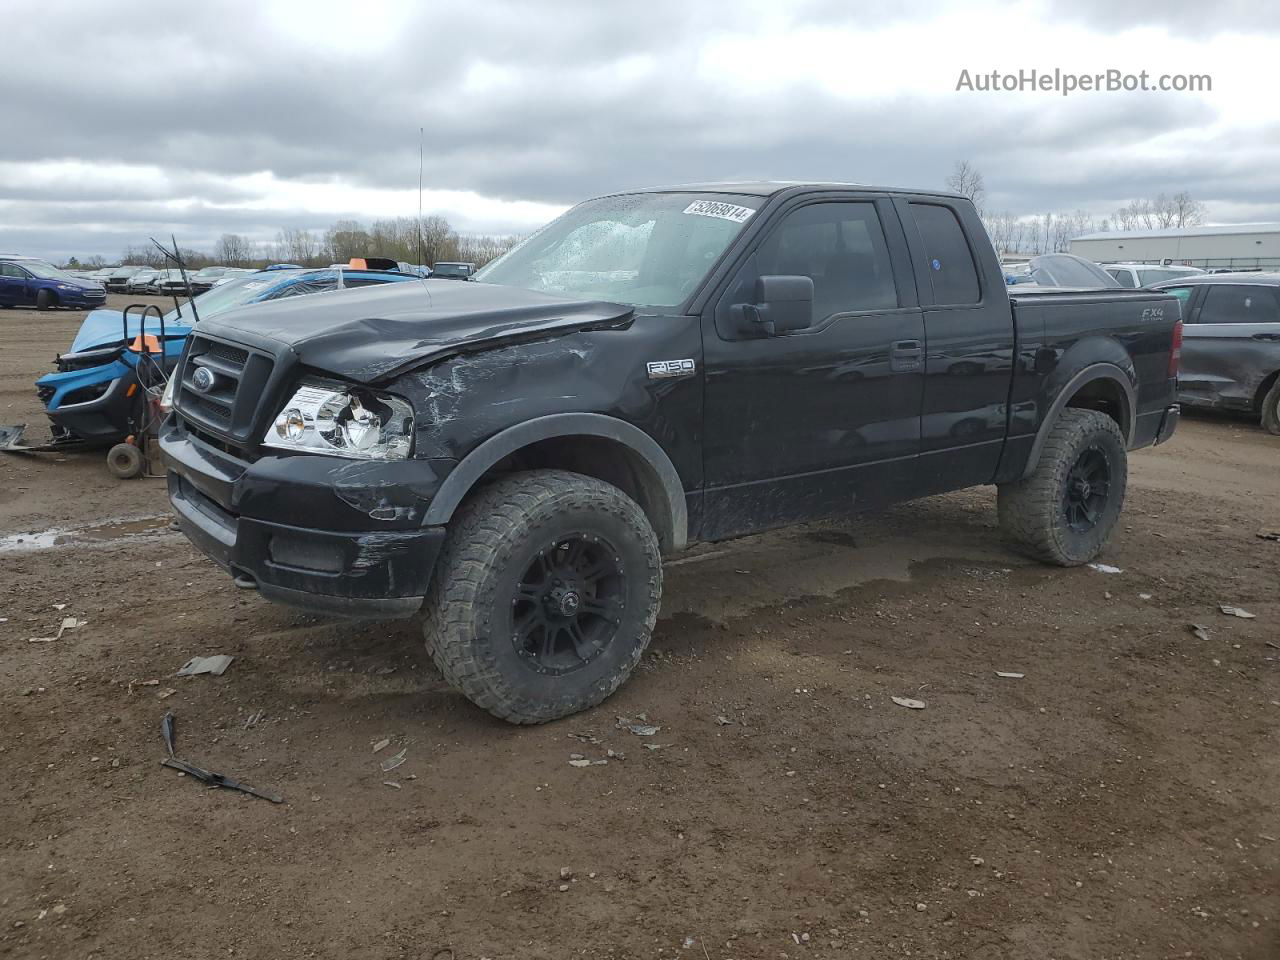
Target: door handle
{"type": "Point", "coordinates": [1266, 336]}
{"type": "Point", "coordinates": [905, 355]}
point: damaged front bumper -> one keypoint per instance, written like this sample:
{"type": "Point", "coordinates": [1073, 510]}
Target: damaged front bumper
{"type": "Point", "coordinates": [302, 529]}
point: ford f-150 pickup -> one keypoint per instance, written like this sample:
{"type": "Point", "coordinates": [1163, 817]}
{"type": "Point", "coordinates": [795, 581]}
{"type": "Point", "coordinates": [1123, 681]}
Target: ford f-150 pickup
{"type": "Point", "coordinates": [511, 456]}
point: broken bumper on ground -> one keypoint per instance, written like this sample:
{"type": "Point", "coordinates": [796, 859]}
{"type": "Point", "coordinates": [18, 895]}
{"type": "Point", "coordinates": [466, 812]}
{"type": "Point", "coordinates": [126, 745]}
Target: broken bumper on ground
{"type": "Point", "coordinates": [298, 528]}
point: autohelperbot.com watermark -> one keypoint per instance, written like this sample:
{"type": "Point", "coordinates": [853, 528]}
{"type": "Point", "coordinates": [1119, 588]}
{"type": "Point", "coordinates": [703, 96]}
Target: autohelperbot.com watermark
{"type": "Point", "coordinates": [1065, 82]}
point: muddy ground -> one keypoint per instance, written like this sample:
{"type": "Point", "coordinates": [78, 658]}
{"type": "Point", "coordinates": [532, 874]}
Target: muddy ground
{"type": "Point", "coordinates": [1120, 800]}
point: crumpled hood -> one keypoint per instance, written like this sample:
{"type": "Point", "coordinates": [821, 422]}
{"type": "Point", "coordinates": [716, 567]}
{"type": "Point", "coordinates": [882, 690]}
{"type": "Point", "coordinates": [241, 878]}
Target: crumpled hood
{"type": "Point", "coordinates": [372, 335]}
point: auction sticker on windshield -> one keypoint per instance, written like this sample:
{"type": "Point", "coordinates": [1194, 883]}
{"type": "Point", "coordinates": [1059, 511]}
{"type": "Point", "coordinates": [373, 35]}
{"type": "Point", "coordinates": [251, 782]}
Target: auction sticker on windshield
{"type": "Point", "coordinates": [714, 208]}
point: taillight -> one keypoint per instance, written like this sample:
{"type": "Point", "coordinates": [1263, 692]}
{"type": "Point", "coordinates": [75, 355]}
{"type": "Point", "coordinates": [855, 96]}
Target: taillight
{"type": "Point", "coordinates": [1175, 351]}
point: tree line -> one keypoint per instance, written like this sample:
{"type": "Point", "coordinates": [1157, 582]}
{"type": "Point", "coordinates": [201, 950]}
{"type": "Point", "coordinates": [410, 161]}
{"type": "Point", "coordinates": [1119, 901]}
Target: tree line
{"type": "Point", "coordinates": [399, 238]}
{"type": "Point", "coordinates": [1052, 232]}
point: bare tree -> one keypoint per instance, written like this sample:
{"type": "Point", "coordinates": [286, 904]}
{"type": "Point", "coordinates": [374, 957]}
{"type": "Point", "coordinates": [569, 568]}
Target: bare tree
{"type": "Point", "coordinates": [294, 245]}
{"type": "Point", "coordinates": [966, 180]}
{"type": "Point", "coordinates": [233, 250]}
{"type": "Point", "coordinates": [1187, 212]}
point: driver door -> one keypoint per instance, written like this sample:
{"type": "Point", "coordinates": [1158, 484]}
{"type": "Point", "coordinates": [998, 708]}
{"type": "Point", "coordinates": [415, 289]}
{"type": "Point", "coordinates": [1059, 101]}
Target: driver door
{"type": "Point", "coordinates": [824, 419]}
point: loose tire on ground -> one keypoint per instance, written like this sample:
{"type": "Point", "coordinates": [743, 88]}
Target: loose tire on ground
{"type": "Point", "coordinates": [45, 300]}
{"type": "Point", "coordinates": [520, 618]}
{"type": "Point", "coordinates": [1271, 409]}
{"type": "Point", "coordinates": [1065, 511]}
{"type": "Point", "coordinates": [124, 460]}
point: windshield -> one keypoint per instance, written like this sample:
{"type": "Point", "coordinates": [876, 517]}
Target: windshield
{"type": "Point", "coordinates": [45, 271]}
{"type": "Point", "coordinates": [645, 249]}
{"type": "Point", "coordinates": [233, 293]}
{"type": "Point", "coordinates": [210, 272]}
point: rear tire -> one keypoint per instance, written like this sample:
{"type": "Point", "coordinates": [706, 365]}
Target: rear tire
{"type": "Point", "coordinates": [124, 460]}
{"type": "Point", "coordinates": [1065, 510]}
{"type": "Point", "coordinates": [46, 299]}
{"type": "Point", "coordinates": [545, 595]}
{"type": "Point", "coordinates": [1271, 409]}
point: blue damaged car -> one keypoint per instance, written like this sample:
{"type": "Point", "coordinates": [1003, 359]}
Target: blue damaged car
{"type": "Point", "coordinates": [90, 397]}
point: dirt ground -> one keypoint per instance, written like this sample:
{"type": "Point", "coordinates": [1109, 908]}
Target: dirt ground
{"type": "Point", "coordinates": [1119, 800]}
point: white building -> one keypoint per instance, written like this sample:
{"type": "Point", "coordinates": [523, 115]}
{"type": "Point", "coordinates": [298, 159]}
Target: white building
{"type": "Point", "coordinates": [1240, 246]}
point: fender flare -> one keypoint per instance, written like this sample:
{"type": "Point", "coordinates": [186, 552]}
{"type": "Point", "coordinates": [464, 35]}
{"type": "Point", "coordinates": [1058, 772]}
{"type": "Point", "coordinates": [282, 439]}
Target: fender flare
{"type": "Point", "coordinates": [1095, 371]}
{"type": "Point", "coordinates": [480, 460]}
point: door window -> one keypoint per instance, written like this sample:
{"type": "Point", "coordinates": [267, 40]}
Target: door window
{"type": "Point", "coordinates": [1224, 303]}
{"type": "Point", "coordinates": [1123, 277]}
{"type": "Point", "coordinates": [842, 248]}
{"type": "Point", "coordinates": [9, 270]}
{"type": "Point", "coordinates": [950, 261]}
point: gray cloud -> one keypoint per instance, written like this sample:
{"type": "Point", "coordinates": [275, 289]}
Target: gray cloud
{"type": "Point", "coordinates": [538, 102]}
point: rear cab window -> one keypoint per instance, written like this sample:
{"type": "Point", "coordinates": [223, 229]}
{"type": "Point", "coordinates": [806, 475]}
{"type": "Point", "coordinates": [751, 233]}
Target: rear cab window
{"type": "Point", "coordinates": [949, 260]}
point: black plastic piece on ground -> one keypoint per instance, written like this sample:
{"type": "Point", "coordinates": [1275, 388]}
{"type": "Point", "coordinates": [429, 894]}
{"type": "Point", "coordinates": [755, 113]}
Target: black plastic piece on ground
{"type": "Point", "coordinates": [168, 731]}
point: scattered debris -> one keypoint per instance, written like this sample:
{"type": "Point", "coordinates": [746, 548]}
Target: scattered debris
{"type": "Point", "coordinates": [1236, 612]}
{"type": "Point", "coordinates": [1144, 596]}
{"type": "Point", "coordinates": [167, 730]}
{"type": "Point", "coordinates": [641, 726]}
{"type": "Point", "coordinates": [68, 623]}
{"type": "Point", "coordinates": [1201, 632]}
{"type": "Point", "coordinates": [1105, 568]}
{"type": "Point", "coordinates": [723, 721]}
{"type": "Point", "coordinates": [1272, 644]}
{"type": "Point", "coordinates": [909, 703]}
{"type": "Point", "coordinates": [381, 745]}
{"type": "Point", "coordinates": [654, 746]}
{"type": "Point", "coordinates": [1010, 676]}
{"type": "Point", "coordinates": [566, 873]}
{"type": "Point", "coordinates": [391, 783]}
{"type": "Point", "coordinates": [616, 755]}
{"type": "Point", "coordinates": [695, 559]}
{"type": "Point", "coordinates": [254, 719]}
{"type": "Point", "coordinates": [585, 738]}
{"type": "Point", "coordinates": [216, 665]}
{"type": "Point", "coordinates": [394, 760]}
{"type": "Point", "coordinates": [1268, 536]}
{"type": "Point", "coordinates": [142, 683]}
{"type": "Point", "coordinates": [166, 693]}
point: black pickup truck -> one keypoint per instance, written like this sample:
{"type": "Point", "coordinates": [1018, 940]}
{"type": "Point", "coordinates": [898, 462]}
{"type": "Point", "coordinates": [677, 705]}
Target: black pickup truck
{"type": "Point", "coordinates": [511, 456]}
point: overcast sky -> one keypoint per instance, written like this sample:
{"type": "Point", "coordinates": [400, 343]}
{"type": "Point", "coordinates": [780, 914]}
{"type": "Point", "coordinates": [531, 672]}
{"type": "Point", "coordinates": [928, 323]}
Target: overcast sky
{"type": "Point", "coordinates": [125, 119]}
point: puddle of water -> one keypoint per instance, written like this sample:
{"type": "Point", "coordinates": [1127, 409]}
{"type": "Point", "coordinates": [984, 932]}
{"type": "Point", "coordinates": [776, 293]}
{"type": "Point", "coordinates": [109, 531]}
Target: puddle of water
{"type": "Point", "coordinates": [97, 534]}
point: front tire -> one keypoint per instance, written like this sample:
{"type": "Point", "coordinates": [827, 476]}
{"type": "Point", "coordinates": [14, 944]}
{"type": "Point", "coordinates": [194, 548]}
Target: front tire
{"type": "Point", "coordinates": [1065, 511]}
{"type": "Point", "coordinates": [1271, 409]}
{"type": "Point", "coordinates": [46, 300]}
{"type": "Point", "coordinates": [545, 595]}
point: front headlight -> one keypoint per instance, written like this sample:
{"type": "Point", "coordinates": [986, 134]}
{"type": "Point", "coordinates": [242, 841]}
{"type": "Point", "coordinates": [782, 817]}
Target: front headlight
{"type": "Point", "coordinates": [67, 286]}
{"type": "Point", "coordinates": [343, 421]}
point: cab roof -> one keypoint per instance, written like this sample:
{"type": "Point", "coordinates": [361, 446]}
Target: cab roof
{"type": "Point", "coordinates": [767, 188]}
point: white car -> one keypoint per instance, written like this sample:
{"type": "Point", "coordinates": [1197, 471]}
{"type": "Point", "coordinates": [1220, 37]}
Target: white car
{"type": "Point", "coordinates": [1145, 274]}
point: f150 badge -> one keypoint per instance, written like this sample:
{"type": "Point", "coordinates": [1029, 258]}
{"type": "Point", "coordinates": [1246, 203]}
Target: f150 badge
{"type": "Point", "coordinates": [660, 369]}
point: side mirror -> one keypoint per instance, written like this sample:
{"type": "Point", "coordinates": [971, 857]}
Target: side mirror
{"type": "Point", "coordinates": [782, 304]}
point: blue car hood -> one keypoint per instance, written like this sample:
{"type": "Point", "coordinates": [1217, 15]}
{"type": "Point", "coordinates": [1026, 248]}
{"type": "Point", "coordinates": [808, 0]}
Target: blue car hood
{"type": "Point", "coordinates": [102, 328]}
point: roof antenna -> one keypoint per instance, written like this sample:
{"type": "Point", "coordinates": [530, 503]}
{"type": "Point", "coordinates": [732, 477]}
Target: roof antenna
{"type": "Point", "coordinates": [420, 263]}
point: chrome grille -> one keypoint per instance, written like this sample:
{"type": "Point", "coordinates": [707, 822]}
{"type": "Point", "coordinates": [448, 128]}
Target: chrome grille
{"type": "Point", "coordinates": [228, 405]}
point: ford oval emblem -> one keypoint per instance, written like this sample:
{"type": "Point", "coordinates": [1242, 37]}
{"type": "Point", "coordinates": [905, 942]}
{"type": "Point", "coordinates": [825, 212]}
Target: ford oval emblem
{"type": "Point", "coordinates": [203, 379]}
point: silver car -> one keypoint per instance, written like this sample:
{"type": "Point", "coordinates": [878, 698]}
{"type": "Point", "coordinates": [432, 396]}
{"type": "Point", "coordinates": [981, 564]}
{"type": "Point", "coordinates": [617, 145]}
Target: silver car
{"type": "Point", "coordinates": [1145, 274]}
{"type": "Point", "coordinates": [1230, 343]}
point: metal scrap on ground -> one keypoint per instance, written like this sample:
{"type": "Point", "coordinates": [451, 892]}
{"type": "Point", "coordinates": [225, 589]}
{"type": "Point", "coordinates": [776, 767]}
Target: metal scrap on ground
{"type": "Point", "coordinates": [216, 665]}
{"type": "Point", "coordinates": [909, 703]}
{"type": "Point", "coordinates": [394, 760]}
{"type": "Point", "coordinates": [1105, 568]}
{"type": "Point", "coordinates": [1010, 676]}
{"type": "Point", "coordinates": [640, 726]}
{"type": "Point", "coordinates": [1202, 633]}
{"type": "Point", "coordinates": [168, 724]}
{"type": "Point", "coordinates": [1240, 612]}
{"type": "Point", "coordinates": [68, 623]}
